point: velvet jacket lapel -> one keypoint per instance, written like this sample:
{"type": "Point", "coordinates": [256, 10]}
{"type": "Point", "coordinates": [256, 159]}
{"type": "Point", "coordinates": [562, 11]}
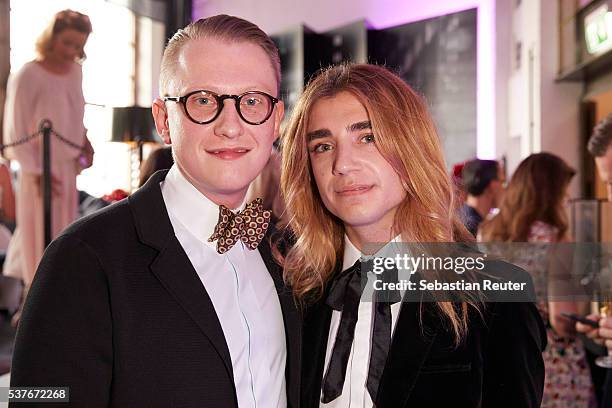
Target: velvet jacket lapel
{"type": "Point", "coordinates": [410, 348]}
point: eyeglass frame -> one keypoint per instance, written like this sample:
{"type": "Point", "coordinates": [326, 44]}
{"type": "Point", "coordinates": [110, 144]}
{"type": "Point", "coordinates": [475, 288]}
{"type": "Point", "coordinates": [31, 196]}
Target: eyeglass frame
{"type": "Point", "coordinates": [220, 103]}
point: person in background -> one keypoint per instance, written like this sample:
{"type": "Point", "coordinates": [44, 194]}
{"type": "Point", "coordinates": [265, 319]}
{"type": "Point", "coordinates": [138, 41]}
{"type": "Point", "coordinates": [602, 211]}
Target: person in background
{"type": "Point", "coordinates": [350, 178]}
{"type": "Point", "coordinates": [50, 87]}
{"type": "Point", "coordinates": [483, 182]}
{"type": "Point", "coordinates": [533, 211]}
{"type": "Point", "coordinates": [10, 288]}
{"type": "Point", "coordinates": [7, 209]}
{"type": "Point", "coordinates": [267, 186]}
{"type": "Point", "coordinates": [600, 147]}
{"type": "Point", "coordinates": [7, 196]}
{"type": "Point", "coordinates": [158, 159]}
{"type": "Point", "coordinates": [457, 179]}
{"type": "Point", "coordinates": [171, 297]}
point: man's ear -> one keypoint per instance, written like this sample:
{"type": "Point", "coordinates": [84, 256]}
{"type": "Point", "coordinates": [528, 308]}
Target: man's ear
{"type": "Point", "coordinates": [160, 116]}
{"type": "Point", "coordinates": [278, 118]}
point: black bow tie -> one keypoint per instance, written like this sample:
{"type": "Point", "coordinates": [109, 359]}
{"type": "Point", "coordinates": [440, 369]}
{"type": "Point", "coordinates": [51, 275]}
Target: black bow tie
{"type": "Point", "coordinates": [344, 295]}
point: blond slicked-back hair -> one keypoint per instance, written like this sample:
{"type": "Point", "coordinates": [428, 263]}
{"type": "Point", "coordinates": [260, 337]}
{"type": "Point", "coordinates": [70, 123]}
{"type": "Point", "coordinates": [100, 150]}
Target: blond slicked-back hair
{"type": "Point", "coordinates": [407, 139]}
{"type": "Point", "coordinates": [221, 27]}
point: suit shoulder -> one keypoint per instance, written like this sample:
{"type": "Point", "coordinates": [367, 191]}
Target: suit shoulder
{"type": "Point", "coordinates": [112, 220]}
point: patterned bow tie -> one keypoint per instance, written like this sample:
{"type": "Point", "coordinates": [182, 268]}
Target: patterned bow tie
{"type": "Point", "coordinates": [248, 225]}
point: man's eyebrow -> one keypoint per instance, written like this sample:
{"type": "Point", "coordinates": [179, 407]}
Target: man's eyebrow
{"type": "Point", "coordinates": [366, 124]}
{"type": "Point", "coordinates": [355, 127]}
{"type": "Point", "coordinates": [317, 134]}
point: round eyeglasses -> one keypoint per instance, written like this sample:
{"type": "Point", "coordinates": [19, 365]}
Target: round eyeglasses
{"type": "Point", "coordinates": [202, 107]}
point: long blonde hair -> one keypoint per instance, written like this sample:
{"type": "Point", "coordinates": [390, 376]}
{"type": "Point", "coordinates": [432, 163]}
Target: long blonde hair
{"type": "Point", "coordinates": [535, 193]}
{"type": "Point", "coordinates": [407, 139]}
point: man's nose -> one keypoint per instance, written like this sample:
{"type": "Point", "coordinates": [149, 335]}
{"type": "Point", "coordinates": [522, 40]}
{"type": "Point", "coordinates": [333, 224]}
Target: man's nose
{"type": "Point", "coordinates": [229, 124]}
{"type": "Point", "coordinates": [345, 160]}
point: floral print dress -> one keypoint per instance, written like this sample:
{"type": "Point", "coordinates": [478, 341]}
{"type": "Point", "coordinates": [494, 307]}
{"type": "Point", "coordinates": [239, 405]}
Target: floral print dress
{"type": "Point", "coordinates": [568, 379]}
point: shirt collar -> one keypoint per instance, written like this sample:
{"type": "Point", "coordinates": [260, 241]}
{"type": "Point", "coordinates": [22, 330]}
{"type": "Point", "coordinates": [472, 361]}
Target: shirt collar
{"type": "Point", "coordinates": [352, 254]}
{"type": "Point", "coordinates": [190, 207]}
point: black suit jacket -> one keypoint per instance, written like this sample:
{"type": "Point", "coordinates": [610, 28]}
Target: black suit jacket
{"type": "Point", "coordinates": [499, 364]}
{"type": "Point", "coordinates": [117, 313]}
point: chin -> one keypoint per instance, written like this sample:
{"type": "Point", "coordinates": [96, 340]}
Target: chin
{"type": "Point", "coordinates": [241, 167]}
{"type": "Point", "coordinates": [357, 218]}
{"type": "Point", "coordinates": [231, 186]}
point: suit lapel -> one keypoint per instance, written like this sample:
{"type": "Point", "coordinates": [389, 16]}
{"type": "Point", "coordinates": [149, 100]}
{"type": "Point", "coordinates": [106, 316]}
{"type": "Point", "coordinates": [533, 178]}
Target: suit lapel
{"type": "Point", "coordinates": [174, 270]}
{"type": "Point", "coordinates": [409, 349]}
{"type": "Point", "coordinates": [172, 266]}
{"type": "Point", "coordinates": [292, 320]}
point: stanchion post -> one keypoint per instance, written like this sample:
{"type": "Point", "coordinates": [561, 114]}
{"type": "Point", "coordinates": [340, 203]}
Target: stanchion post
{"type": "Point", "coordinates": [45, 128]}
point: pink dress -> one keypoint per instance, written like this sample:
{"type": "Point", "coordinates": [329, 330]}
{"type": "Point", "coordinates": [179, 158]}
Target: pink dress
{"type": "Point", "coordinates": [568, 380]}
{"type": "Point", "coordinates": [34, 94]}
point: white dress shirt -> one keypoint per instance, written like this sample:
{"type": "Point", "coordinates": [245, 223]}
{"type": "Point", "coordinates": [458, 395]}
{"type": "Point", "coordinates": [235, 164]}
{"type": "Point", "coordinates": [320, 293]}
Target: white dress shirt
{"type": "Point", "coordinates": [354, 392]}
{"type": "Point", "coordinates": [242, 292]}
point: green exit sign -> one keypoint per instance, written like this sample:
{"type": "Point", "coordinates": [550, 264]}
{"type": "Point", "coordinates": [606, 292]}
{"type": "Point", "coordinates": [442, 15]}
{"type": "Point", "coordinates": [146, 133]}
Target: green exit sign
{"type": "Point", "coordinates": [598, 30]}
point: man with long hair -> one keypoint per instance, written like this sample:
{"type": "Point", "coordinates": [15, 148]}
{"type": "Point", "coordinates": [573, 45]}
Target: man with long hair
{"type": "Point", "coordinates": [171, 298]}
{"type": "Point", "coordinates": [362, 164]}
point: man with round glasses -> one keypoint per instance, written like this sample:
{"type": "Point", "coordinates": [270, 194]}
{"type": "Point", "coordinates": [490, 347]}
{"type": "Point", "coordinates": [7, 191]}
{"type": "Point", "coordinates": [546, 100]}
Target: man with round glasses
{"type": "Point", "coordinates": [171, 297]}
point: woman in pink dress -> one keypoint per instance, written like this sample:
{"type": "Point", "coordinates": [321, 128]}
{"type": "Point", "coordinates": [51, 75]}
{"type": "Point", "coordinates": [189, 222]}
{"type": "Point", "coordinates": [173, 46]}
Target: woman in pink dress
{"type": "Point", "coordinates": [533, 211]}
{"type": "Point", "coordinates": [50, 87]}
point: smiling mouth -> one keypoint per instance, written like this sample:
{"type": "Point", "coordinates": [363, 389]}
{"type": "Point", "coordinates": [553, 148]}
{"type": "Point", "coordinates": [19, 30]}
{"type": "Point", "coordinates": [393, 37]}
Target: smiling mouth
{"type": "Point", "coordinates": [228, 154]}
{"type": "Point", "coordinates": [354, 190]}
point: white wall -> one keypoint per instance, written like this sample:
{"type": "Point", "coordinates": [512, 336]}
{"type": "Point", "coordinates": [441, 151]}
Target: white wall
{"type": "Point", "coordinates": [543, 115]}
{"type": "Point", "coordinates": [503, 71]}
{"type": "Point", "coordinates": [524, 89]}
{"type": "Point", "coordinates": [560, 107]}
